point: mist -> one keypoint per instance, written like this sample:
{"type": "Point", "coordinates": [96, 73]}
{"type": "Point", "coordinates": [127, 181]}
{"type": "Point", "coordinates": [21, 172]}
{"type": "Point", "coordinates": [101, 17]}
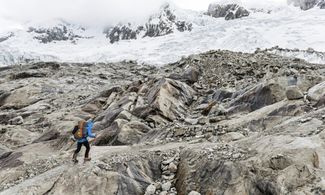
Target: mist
{"type": "Point", "coordinates": [14, 13]}
{"type": "Point", "coordinates": [80, 11]}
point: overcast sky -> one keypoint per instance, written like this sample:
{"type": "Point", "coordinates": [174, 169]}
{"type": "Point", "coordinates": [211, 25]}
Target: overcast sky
{"type": "Point", "coordinates": [93, 11]}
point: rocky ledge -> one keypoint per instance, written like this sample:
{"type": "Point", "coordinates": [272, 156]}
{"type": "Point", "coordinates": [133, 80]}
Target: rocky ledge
{"type": "Point", "coordinates": [307, 4]}
{"type": "Point", "coordinates": [61, 32]}
{"type": "Point", "coordinates": [229, 11]}
{"type": "Point", "coordinates": [216, 123]}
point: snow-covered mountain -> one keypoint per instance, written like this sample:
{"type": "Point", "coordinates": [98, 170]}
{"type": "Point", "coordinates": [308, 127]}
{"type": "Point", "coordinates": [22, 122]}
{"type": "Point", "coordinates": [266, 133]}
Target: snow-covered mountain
{"type": "Point", "coordinates": [163, 23]}
{"type": "Point", "coordinates": [170, 34]}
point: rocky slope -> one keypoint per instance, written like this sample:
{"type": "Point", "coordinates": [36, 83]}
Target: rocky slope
{"type": "Point", "coordinates": [216, 123]}
{"type": "Point", "coordinates": [307, 4]}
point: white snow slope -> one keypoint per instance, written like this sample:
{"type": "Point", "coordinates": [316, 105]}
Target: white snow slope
{"type": "Point", "coordinates": [287, 27]}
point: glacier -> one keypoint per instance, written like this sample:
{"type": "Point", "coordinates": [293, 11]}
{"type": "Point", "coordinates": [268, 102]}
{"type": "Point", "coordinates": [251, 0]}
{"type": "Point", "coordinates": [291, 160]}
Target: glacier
{"type": "Point", "coordinates": [286, 27]}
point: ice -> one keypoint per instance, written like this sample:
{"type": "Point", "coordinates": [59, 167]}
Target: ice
{"type": "Point", "coordinates": [288, 27]}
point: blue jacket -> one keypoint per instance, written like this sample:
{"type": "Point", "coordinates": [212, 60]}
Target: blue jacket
{"type": "Point", "coordinates": [89, 125]}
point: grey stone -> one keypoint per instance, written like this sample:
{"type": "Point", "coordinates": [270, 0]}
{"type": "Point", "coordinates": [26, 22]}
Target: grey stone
{"type": "Point", "coordinates": [166, 186]}
{"type": "Point", "coordinates": [151, 189]}
{"type": "Point", "coordinates": [194, 193]}
{"type": "Point", "coordinates": [172, 167]}
{"type": "Point", "coordinates": [317, 92]}
{"type": "Point", "coordinates": [294, 93]}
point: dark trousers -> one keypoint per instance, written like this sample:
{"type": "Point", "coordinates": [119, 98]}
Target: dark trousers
{"type": "Point", "coordinates": [86, 144]}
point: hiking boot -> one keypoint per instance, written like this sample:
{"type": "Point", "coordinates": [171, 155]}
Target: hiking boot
{"type": "Point", "coordinates": [87, 159]}
{"type": "Point", "coordinates": [74, 158]}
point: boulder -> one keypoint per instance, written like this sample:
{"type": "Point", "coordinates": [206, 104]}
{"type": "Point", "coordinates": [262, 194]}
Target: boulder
{"type": "Point", "coordinates": [295, 175]}
{"type": "Point", "coordinates": [132, 132]}
{"type": "Point", "coordinates": [47, 136]}
{"type": "Point", "coordinates": [106, 119]}
{"type": "Point", "coordinates": [122, 132]}
{"type": "Point", "coordinates": [166, 186]}
{"type": "Point", "coordinates": [194, 171]}
{"type": "Point", "coordinates": [191, 75]}
{"type": "Point", "coordinates": [317, 92]}
{"type": "Point", "coordinates": [23, 97]}
{"type": "Point", "coordinates": [172, 167]}
{"type": "Point", "coordinates": [11, 160]}
{"type": "Point", "coordinates": [151, 189]}
{"type": "Point", "coordinates": [91, 108]}
{"type": "Point", "coordinates": [108, 136]}
{"type": "Point", "coordinates": [194, 193]}
{"type": "Point", "coordinates": [280, 162]}
{"type": "Point", "coordinates": [222, 94]}
{"type": "Point", "coordinates": [258, 97]}
{"type": "Point", "coordinates": [294, 93]}
{"type": "Point", "coordinates": [170, 98]}
{"type": "Point", "coordinates": [107, 93]}
{"type": "Point", "coordinates": [4, 152]}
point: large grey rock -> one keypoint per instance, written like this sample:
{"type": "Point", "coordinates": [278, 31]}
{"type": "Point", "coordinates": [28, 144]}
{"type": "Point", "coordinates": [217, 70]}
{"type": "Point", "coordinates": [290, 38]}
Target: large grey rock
{"type": "Point", "coordinates": [194, 193]}
{"type": "Point", "coordinates": [47, 136]}
{"type": "Point", "coordinates": [151, 189]}
{"type": "Point", "coordinates": [259, 96]}
{"type": "Point", "coordinates": [317, 92]}
{"type": "Point", "coordinates": [4, 152]}
{"type": "Point", "coordinates": [170, 98]}
{"type": "Point", "coordinates": [132, 132]}
{"type": "Point", "coordinates": [190, 75]}
{"type": "Point", "coordinates": [166, 186]}
{"type": "Point", "coordinates": [232, 175]}
{"type": "Point", "coordinates": [228, 11]}
{"type": "Point", "coordinates": [23, 97]}
{"type": "Point", "coordinates": [294, 93]}
{"type": "Point", "coordinates": [222, 94]}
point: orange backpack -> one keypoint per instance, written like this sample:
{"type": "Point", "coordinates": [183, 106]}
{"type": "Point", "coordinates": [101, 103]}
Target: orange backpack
{"type": "Point", "coordinates": [81, 132]}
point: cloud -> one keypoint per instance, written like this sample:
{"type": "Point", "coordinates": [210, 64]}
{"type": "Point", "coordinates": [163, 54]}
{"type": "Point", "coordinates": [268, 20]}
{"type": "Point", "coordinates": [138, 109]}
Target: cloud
{"type": "Point", "coordinates": [95, 12]}
{"type": "Point", "coordinates": [86, 11]}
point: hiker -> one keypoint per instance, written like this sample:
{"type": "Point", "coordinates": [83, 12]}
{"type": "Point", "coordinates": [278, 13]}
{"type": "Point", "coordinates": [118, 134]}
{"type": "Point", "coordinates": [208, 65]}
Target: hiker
{"type": "Point", "coordinates": [81, 132]}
